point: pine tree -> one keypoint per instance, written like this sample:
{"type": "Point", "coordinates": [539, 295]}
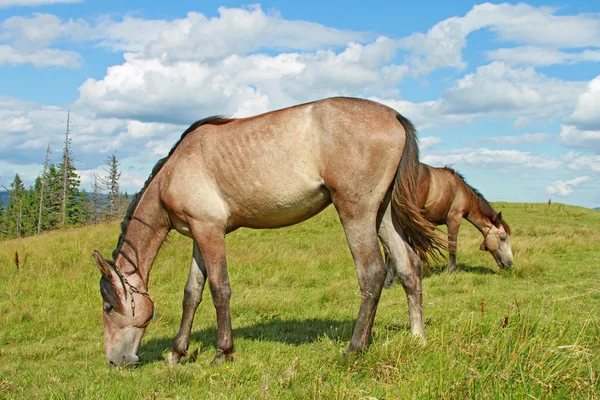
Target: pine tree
{"type": "Point", "coordinates": [111, 184]}
{"type": "Point", "coordinates": [73, 203]}
{"type": "Point", "coordinates": [2, 218]}
{"type": "Point", "coordinates": [52, 215]}
{"type": "Point", "coordinates": [14, 209]}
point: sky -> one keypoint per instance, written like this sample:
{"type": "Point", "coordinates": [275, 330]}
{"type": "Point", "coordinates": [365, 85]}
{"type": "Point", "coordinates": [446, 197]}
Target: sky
{"type": "Point", "coordinates": [506, 93]}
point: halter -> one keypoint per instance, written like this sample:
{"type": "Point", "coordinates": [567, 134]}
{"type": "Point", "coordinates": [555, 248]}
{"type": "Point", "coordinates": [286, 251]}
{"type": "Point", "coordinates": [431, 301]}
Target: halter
{"type": "Point", "coordinates": [485, 237]}
{"type": "Point", "coordinates": [132, 290]}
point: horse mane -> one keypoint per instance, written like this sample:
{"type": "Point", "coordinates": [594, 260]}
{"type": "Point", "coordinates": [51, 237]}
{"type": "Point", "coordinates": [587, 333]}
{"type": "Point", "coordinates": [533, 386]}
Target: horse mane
{"type": "Point", "coordinates": [214, 120]}
{"type": "Point", "coordinates": [484, 206]}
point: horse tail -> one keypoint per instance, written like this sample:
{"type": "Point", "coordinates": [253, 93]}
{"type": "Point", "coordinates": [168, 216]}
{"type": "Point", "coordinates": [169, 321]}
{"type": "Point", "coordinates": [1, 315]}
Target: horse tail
{"type": "Point", "coordinates": [420, 233]}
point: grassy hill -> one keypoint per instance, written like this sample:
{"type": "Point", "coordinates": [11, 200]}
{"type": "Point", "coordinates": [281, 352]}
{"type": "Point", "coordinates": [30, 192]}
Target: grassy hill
{"type": "Point", "coordinates": [533, 331]}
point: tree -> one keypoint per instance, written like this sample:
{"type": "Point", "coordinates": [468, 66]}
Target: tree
{"type": "Point", "coordinates": [95, 203]}
{"type": "Point", "coordinates": [111, 184]}
{"type": "Point", "coordinates": [14, 209]}
{"type": "Point", "coordinates": [43, 182]}
{"type": "Point", "coordinates": [73, 202]}
{"type": "Point", "coordinates": [52, 215]}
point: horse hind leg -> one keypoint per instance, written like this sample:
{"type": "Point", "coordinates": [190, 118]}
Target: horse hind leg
{"type": "Point", "coordinates": [406, 264]}
{"type": "Point", "coordinates": [191, 299]}
{"type": "Point", "coordinates": [359, 227]}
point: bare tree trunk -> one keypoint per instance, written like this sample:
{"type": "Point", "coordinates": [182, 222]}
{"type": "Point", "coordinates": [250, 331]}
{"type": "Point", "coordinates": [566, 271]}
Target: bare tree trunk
{"type": "Point", "coordinates": [66, 170]}
{"type": "Point", "coordinates": [43, 180]}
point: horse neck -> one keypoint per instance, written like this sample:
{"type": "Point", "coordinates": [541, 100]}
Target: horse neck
{"type": "Point", "coordinates": [146, 232]}
{"type": "Point", "coordinates": [476, 216]}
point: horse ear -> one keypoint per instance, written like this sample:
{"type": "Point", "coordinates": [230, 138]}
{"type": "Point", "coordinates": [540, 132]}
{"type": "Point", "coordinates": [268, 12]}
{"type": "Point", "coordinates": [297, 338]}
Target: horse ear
{"type": "Point", "coordinates": [499, 216]}
{"type": "Point", "coordinates": [483, 247]}
{"type": "Point", "coordinates": [103, 266]}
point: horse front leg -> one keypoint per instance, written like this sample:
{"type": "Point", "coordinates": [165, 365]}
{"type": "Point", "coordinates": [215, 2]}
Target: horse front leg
{"type": "Point", "coordinates": [211, 241]}
{"type": "Point", "coordinates": [191, 299]}
{"type": "Point", "coordinates": [453, 227]}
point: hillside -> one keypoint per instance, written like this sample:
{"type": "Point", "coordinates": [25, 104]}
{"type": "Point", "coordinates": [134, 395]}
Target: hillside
{"type": "Point", "coordinates": [532, 331]}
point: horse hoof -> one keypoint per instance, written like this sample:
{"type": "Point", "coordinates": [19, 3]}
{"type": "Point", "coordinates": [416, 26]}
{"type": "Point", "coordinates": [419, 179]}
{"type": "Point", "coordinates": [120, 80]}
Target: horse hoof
{"type": "Point", "coordinates": [172, 359]}
{"type": "Point", "coordinates": [221, 357]}
{"type": "Point", "coordinates": [353, 349]}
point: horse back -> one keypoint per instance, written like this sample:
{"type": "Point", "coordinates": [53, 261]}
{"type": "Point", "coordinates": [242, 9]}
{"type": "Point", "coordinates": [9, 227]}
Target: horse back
{"type": "Point", "coordinates": [282, 167]}
{"type": "Point", "coordinates": [441, 193]}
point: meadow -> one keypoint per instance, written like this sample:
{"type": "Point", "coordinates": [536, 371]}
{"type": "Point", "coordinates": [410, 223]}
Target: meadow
{"type": "Point", "coordinates": [531, 332]}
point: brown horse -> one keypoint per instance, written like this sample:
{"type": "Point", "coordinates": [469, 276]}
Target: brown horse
{"type": "Point", "coordinates": [446, 198]}
{"type": "Point", "coordinates": [269, 171]}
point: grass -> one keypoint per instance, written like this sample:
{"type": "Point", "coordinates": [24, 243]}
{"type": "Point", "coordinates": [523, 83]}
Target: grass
{"type": "Point", "coordinates": [533, 332]}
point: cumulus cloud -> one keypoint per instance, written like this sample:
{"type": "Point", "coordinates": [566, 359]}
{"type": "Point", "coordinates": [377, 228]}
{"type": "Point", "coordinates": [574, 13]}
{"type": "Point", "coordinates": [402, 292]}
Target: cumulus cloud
{"type": "Point", "coordinates": [564, 188]}
{"type": "Point", "coordinates": [500, 90]}
{"type": "Point", "coordinates": [581, 129]}
{"type": "Point", "coordinates": [586, 115]}
{"type": "Point", "coordinates": [151, 89]}
{"type": "Point", "coordinates": [443, 44]}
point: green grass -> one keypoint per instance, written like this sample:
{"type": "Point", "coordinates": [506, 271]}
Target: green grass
{"type": "Point", "coordinates": [533, 332]}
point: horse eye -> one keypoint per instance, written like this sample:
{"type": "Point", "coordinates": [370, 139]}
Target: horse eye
{"type": "Point", "coordinates": [107, 308]}
{"type": "Point", "coordinates": [503, 238]}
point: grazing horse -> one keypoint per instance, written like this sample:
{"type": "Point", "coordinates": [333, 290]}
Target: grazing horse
{"type": "Point", "coordinates": [446, 198]}
{"type": "Point", "coordinates": [269, 171]}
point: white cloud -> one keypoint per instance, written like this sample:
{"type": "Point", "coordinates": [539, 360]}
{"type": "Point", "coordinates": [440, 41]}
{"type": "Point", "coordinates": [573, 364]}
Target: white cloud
{"type": "Point", "coordinates": [236, 31]}
{"type": "Point", "coordinates": [429, 141]}
{"type": "Point", "coordinates": [442, 45]}
{"type": "Point", "coordinates": [541, 56]}
{"type": "Point", "coordinates": [41, 30]}
{"type": "Point", "coordinates": [587, 111]}
{"type": "Point", "coordinates": [526, 138]}
{"type": "Point", "coordinates": [577, 162]}
{"type": "Point", "coordinates": [27, 128]}
{"type": "Point", "coordinates": [500, 90]}
{"type": "Point", "coordinates": [564, 188]}
{"type": "Point", "coordinates": [498, 159]}
{"type": "Point", "coordinates": [32, 3]}
{"type": "Point", "coordinates": [40, 58]}
{"type": "Point", "coordinates": [581, 129]}
{"type": "Point", "coordinates": [155, 90]}
{"type": "Point", "coordinates": [571, 136]}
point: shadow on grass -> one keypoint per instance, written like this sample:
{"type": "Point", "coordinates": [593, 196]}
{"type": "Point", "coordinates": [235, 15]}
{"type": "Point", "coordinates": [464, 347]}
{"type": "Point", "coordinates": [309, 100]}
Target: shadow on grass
{"type": "Point", "coordinates": [462, 268]}
{"type": "Point", "coordinates": [292, 332]}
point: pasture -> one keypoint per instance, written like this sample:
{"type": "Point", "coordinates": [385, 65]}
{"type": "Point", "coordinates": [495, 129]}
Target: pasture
{"type": "Point", "coordinates": [532, 332]}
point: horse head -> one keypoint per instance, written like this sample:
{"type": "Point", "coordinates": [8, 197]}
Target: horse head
{"type": "Point", "coordinates": [497, 242]}
{"type": "Point", "coordinates": [127, 310]}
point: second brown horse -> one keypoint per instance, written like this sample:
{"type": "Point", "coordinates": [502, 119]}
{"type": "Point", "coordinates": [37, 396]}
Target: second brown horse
{"type": "Point", "coordinates": [445, 199]}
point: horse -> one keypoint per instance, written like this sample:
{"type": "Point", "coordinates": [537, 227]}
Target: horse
{"type": "Point", "coordinates": [269, 171]}
{"type": "Point", "coordinates": [445, 198]}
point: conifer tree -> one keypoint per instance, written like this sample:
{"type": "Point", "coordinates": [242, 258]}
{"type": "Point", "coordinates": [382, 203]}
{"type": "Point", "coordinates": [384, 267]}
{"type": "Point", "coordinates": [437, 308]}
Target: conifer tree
{"type": "Point", "coordinates": [111, 185]}
{"type": "Point", "coordinates": [14, 209]}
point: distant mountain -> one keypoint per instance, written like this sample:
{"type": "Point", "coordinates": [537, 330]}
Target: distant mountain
{"type": "Point", "coordinates": [3, 197]}
{"type": "Point", "coordinates": [597, 208]}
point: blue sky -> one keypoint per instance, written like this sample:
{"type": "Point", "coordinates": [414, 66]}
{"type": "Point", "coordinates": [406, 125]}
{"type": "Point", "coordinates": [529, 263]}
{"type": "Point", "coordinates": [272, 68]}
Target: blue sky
{"type": "Point", "coordinates": [507, 93]}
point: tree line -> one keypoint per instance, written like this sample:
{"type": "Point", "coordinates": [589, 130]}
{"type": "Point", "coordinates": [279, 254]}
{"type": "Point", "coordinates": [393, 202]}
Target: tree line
{"type": "Point", "coordinates": [56, 198]}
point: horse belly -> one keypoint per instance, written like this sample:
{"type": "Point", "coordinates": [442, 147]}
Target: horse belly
{"type": "Point", "coordinates": [274, 205]}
